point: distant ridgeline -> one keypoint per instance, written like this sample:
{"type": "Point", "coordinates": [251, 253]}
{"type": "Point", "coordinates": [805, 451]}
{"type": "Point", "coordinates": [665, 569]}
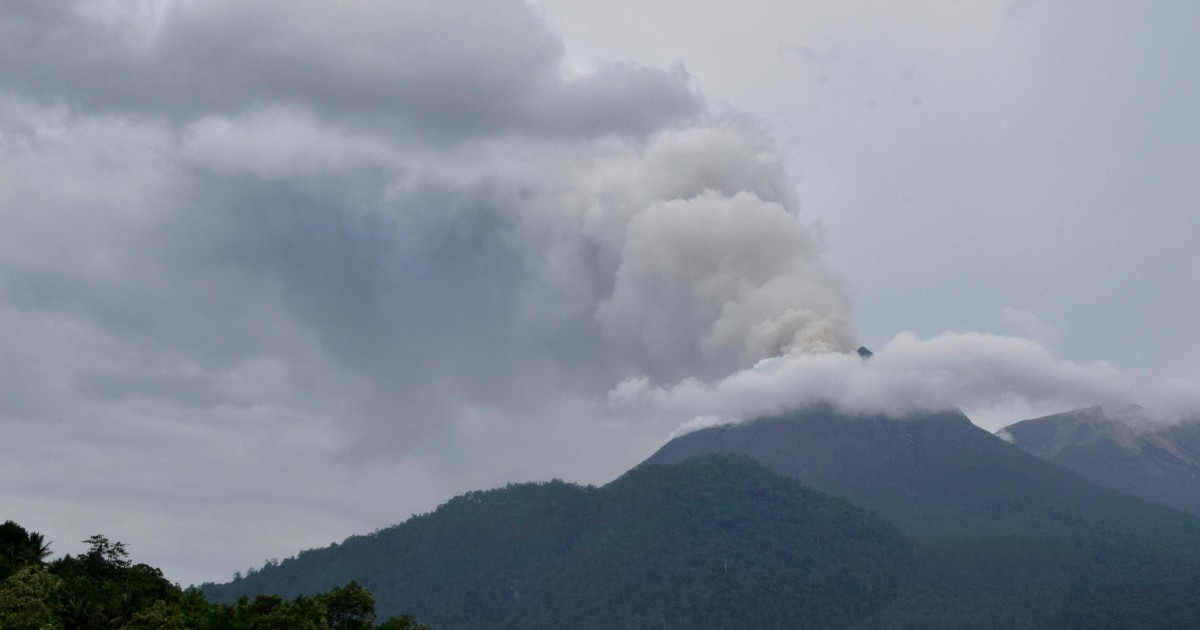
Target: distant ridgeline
{"type": "Point", "coordinates": [810, 520]}
{"type": "Point", "coordinates": [1120, 448]}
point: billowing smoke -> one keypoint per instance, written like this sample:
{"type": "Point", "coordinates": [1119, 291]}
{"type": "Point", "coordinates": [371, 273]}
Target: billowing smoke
{"type": "Point", "coordinates": [674, 255]}
{"type": "Point", "coordinates": [296, 245]}
{"type": "Point", "coordinates": [705, 265]}
{"type": "Point", "coordinates": [719, 274]}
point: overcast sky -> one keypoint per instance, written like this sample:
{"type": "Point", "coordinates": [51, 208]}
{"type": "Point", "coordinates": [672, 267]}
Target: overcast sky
{"type": "Point", "coordinates": [273, 273]}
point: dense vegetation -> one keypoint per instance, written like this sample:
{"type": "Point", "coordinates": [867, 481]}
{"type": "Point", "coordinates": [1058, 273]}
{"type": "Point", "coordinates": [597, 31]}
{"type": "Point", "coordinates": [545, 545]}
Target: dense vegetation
{"type": "Point", "coordinates": [102, 588]}
{"type": "Point", "coordinates": [715, 543]}
{"type": "Point", "coordinates": [988, 537]}
{"type": "Point", "coordinates": [1002, 539]}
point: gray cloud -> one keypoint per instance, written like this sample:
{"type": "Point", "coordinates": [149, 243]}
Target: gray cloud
{"type": "Point", "coordinates": [442, 70]}
{"type": "Point", "coordinates": [267, 262]}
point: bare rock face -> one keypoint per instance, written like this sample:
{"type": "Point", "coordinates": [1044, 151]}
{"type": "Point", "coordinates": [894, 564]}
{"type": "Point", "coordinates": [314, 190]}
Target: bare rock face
{"type": "Point", "coordinates": [1119, 448]}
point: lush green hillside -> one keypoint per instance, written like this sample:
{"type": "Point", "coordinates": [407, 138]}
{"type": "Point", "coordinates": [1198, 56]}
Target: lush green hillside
{"type": "Point", "coordinates": [103, 590]}
{"type": "Point", "coordinates": [722, 543]}
{"type": "Point", "coordinates": [1002, 538]}
{"type": "Point", "coordinates": [715, 542]}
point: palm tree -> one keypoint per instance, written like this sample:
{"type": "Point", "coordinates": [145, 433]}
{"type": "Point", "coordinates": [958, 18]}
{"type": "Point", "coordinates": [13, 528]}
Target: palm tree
{"type": "Point", "coordinates": [79, 613]}
{"type": "Point", "coordinates": [36, 549]}
{"type": "Point", "coordinates": [120, 609]}
{"type": "Point", "coordinates": [19, 547]}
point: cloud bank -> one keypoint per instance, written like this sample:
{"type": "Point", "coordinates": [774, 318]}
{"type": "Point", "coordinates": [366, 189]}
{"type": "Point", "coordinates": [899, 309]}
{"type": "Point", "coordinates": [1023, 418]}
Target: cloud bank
{"type": "Point", "coordinates": [985, 375]}
{"type": "Point", "coordinates": [444, 71]}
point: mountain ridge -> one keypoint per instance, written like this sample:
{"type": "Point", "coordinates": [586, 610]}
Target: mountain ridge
{"type": "Point", "coordinates": [1120, 448]}
{"type": "Point", "coordinates": [710, 543]}
{"type": "Point", "coordinates": [1005, 539]}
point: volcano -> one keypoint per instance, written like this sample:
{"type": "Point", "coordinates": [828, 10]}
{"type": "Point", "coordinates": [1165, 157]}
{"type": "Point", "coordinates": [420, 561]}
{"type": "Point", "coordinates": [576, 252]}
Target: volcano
{"type": "Point", "coordinates": [814, 519]}
{"type": "Point", "coordinates": [1002, 537]}
{"type": "Point", "coordinates": [926, 472]}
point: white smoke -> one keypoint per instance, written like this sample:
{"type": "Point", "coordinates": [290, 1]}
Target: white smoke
{"type": "Point", "coordinates": [725, 274]}
{"type": "Point", "coordinates": [971, 371]}
{"type": "Point", "coordinates": [690, 253]}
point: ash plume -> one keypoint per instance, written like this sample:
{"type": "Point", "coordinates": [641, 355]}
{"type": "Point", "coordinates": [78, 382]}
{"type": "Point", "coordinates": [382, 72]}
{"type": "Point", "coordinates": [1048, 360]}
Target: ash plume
{"type": "Point", "coordinates": [371, 240]}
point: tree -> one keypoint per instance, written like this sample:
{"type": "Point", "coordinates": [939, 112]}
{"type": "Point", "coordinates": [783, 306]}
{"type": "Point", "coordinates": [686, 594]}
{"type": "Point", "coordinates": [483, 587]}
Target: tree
{"type": "Point", "coordinates": [350, 607]}
{"type": "Point", "coordinates": [272, 612]}
{"type": "Point", "coordinates": [27, 599]}
{"type": "Point", "coordinates": [19, 548]}
{"type": "Point", "coordinates": [105, 558]}
{"type": "Point", "coordinates": [78, 612]}
{"type": "Point", "coordinates": [102, 588]}
{"type": "Point", "coordinates": [404, 622]}
{"type": "Point", "coordinates": [36, 549]}
{"type": "Point", "coordinates": [159, 616]}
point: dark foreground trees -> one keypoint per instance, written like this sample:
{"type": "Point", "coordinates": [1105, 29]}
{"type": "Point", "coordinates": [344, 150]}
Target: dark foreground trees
{"type": "Point", "coordinates": [102, 588]}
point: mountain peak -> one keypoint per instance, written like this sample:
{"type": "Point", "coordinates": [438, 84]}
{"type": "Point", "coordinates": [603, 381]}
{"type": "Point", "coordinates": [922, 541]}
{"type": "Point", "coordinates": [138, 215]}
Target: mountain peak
{"type": "Point", "coordinates": [966, 500]}
{"type": "Point", "coordinates": [1123, 448]}
{"type": "Point", "coordinates": [1129, 427]}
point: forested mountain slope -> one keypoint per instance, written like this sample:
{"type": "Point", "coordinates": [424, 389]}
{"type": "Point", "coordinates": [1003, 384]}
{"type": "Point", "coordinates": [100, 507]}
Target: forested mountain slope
{"type": "Point", "coordinates": [718, 542]}
{"type": "Point", "coordinates": [1002, 538]}
{"type": "Point", "coordinates": [964, 530]}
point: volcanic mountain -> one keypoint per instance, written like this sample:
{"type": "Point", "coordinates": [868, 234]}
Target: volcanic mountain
{"type": "Point", "coordinates": [923, 471]}
{"type": "Point", "coordinates": [716, 542]}
{"type": "Point", "coordinates": [845, 521]}
{"type": "Point", "coordinates": [1003, 539]}
{"type": "Point", "coordinates": [1120, 448]}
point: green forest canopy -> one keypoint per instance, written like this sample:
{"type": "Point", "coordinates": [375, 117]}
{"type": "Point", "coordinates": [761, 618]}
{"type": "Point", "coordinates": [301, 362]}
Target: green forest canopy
{"type": "Point", "coordinates": [103, 588]}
